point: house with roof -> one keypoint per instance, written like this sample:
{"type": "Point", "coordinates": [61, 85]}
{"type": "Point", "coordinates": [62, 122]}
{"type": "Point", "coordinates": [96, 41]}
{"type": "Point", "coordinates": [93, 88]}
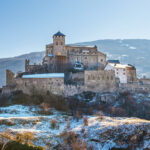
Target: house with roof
{"type": "Point", "coordinates": [125, 73]}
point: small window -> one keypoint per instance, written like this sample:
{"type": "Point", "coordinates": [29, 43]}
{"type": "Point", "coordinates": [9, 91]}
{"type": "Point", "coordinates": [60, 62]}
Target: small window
{"type": "Point", "coordinates": [56, 43]}
{"type": "Point", "coordinates": [101, 60]}
{"type": "Point", "coordinates": [61, 43]}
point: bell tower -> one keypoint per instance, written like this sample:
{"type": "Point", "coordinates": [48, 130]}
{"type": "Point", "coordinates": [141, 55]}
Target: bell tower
{"type": "Point", "coordinates": [59, 44]}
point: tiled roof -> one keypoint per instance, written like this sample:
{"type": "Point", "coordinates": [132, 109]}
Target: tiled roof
{"type": "Point", "coordinates": [58, 34]}
{"type": "Point", "coordinates": [114, 61]}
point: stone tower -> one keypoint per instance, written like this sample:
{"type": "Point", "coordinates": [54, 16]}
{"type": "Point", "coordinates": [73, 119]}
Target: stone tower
{"type": "Point", "coordinates": [10, 77]}
{"type": "Point", "coordinates": [59, 44]}
{"type": "Point", "coordinates": [27, 63]}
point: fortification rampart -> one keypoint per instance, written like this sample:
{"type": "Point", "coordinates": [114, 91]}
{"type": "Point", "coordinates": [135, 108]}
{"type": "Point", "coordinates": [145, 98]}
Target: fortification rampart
{"type": "Point", "coordinates": [37, 86]}
{"type": "Point", "coordinates": [134, 87]}
{"type": "Point", "coordinates": [100, 81]}
{"type": "Point", "coordinates": [10, 77]}
{"type": "Point", "coordinates": [71, 90]}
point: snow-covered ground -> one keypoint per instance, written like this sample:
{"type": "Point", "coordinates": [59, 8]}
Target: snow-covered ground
{"type": "Point", "coordinates": [102, 132]}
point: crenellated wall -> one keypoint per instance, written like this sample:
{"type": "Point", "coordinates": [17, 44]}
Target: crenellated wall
{"type": "Point", "coordinates": [95, 81]}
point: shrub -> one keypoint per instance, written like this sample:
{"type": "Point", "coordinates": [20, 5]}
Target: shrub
{"type": "Point", "coordinates": [68, 123]}
{"type": "Point", "coordinates": [26, 137]}
{"type": "Point", "coordinates": [116, 111]}
{"type": "Point", "coordinates": [53, 123]}
{"type": "Point", "coordinates": [7, 122]}
{"type": "Point", "coordinates": [78, 144]}
{"type": "Point", "coordinates": [46, 101]}
{"type": "Point", "coordinates": [85, 120]}
{"type": "Point", "coordinates": [100, 115]}
{"type": "Point", "coordinates": [68, 137]}
{"type": "Point", "coordinates": [18, 146]}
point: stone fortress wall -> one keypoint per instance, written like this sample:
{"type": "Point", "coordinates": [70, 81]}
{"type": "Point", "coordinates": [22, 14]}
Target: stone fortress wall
{"type": "Point", "coordinates": [32, 86]}
{"type": "Point", "coordinates": [100, 81]}
{"type": "Point", "coordinates": [41, 86]}
{"type": "Point", "coordinates": [94, 78]}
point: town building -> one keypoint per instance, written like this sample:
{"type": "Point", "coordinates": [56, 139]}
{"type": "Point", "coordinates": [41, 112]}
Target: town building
{"type": "Point", "coordinates": [125, 73]}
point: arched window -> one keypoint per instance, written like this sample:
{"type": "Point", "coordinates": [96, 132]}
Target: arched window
{"type": "Point", "coordinates": [56, 43]}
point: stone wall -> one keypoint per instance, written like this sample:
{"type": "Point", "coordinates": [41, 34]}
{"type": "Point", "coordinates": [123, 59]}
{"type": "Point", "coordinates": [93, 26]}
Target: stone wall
{"type": "Point", "coordinates": [134, 87]}
{"type": "Point", "coordinates": [144, 81]}
{"type": "Point", "coordinates": [131, 74]}
{"type": "Point", "coordinates": [99, 81]}
{"type": "Point", "coordinates": [40, 86]}
{"type": "Point", "coordinates": [89, 56]}
{"type": "Point", "coordinates": [10, 76]}
{"type": "Point", "coordinates": [71, 90]}
{"type": "Point", "coordinates": [35, 68]}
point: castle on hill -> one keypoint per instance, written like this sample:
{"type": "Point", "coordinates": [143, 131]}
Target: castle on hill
{"type": "Point", "coordinates": [71, 69]}
{"type": "Point", "coordinates": [59, 57]}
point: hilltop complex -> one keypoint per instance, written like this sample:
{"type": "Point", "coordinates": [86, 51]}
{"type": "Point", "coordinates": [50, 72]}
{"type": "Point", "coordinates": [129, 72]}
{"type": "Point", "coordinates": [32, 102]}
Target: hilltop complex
{"type": "Point", "coordinates": [72, 69]}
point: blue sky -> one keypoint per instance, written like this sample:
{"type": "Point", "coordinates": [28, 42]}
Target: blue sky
{"type": "Point", "coordinates": [28, 25]}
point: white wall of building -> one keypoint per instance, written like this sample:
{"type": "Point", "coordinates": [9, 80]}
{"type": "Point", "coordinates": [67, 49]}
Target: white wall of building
{"type": "Point", "coordinates": [120, 71]}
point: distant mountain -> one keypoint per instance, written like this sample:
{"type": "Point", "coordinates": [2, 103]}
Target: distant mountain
{"type": "Point", "coordinates": [131, 51]}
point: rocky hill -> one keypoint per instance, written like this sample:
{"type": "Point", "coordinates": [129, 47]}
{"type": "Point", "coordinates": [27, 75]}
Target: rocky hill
{"type": "Point", "coordinates": [94, 132]}
{"type": "Point", "coordinates": [131, 51]}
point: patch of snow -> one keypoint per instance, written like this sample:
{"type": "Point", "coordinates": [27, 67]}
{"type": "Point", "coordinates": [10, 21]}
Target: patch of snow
{"type": "Point", "coordinates": [40, 125]}
{"type": "Point", "coordinates": [132, 47]}
{"type": "Point", "coordinates": [47, 75]}
{"type": "Point", "coordinates": [124, 55]}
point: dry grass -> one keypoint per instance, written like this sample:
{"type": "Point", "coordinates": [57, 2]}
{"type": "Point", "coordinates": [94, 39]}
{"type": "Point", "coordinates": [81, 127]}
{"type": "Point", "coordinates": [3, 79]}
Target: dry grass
{"type": "Point", "coordinates": [78, 144]}
{"type": "Point", "coordinates": [7, 122]}
{"type": "Point", "coordinates": [115, 122]}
